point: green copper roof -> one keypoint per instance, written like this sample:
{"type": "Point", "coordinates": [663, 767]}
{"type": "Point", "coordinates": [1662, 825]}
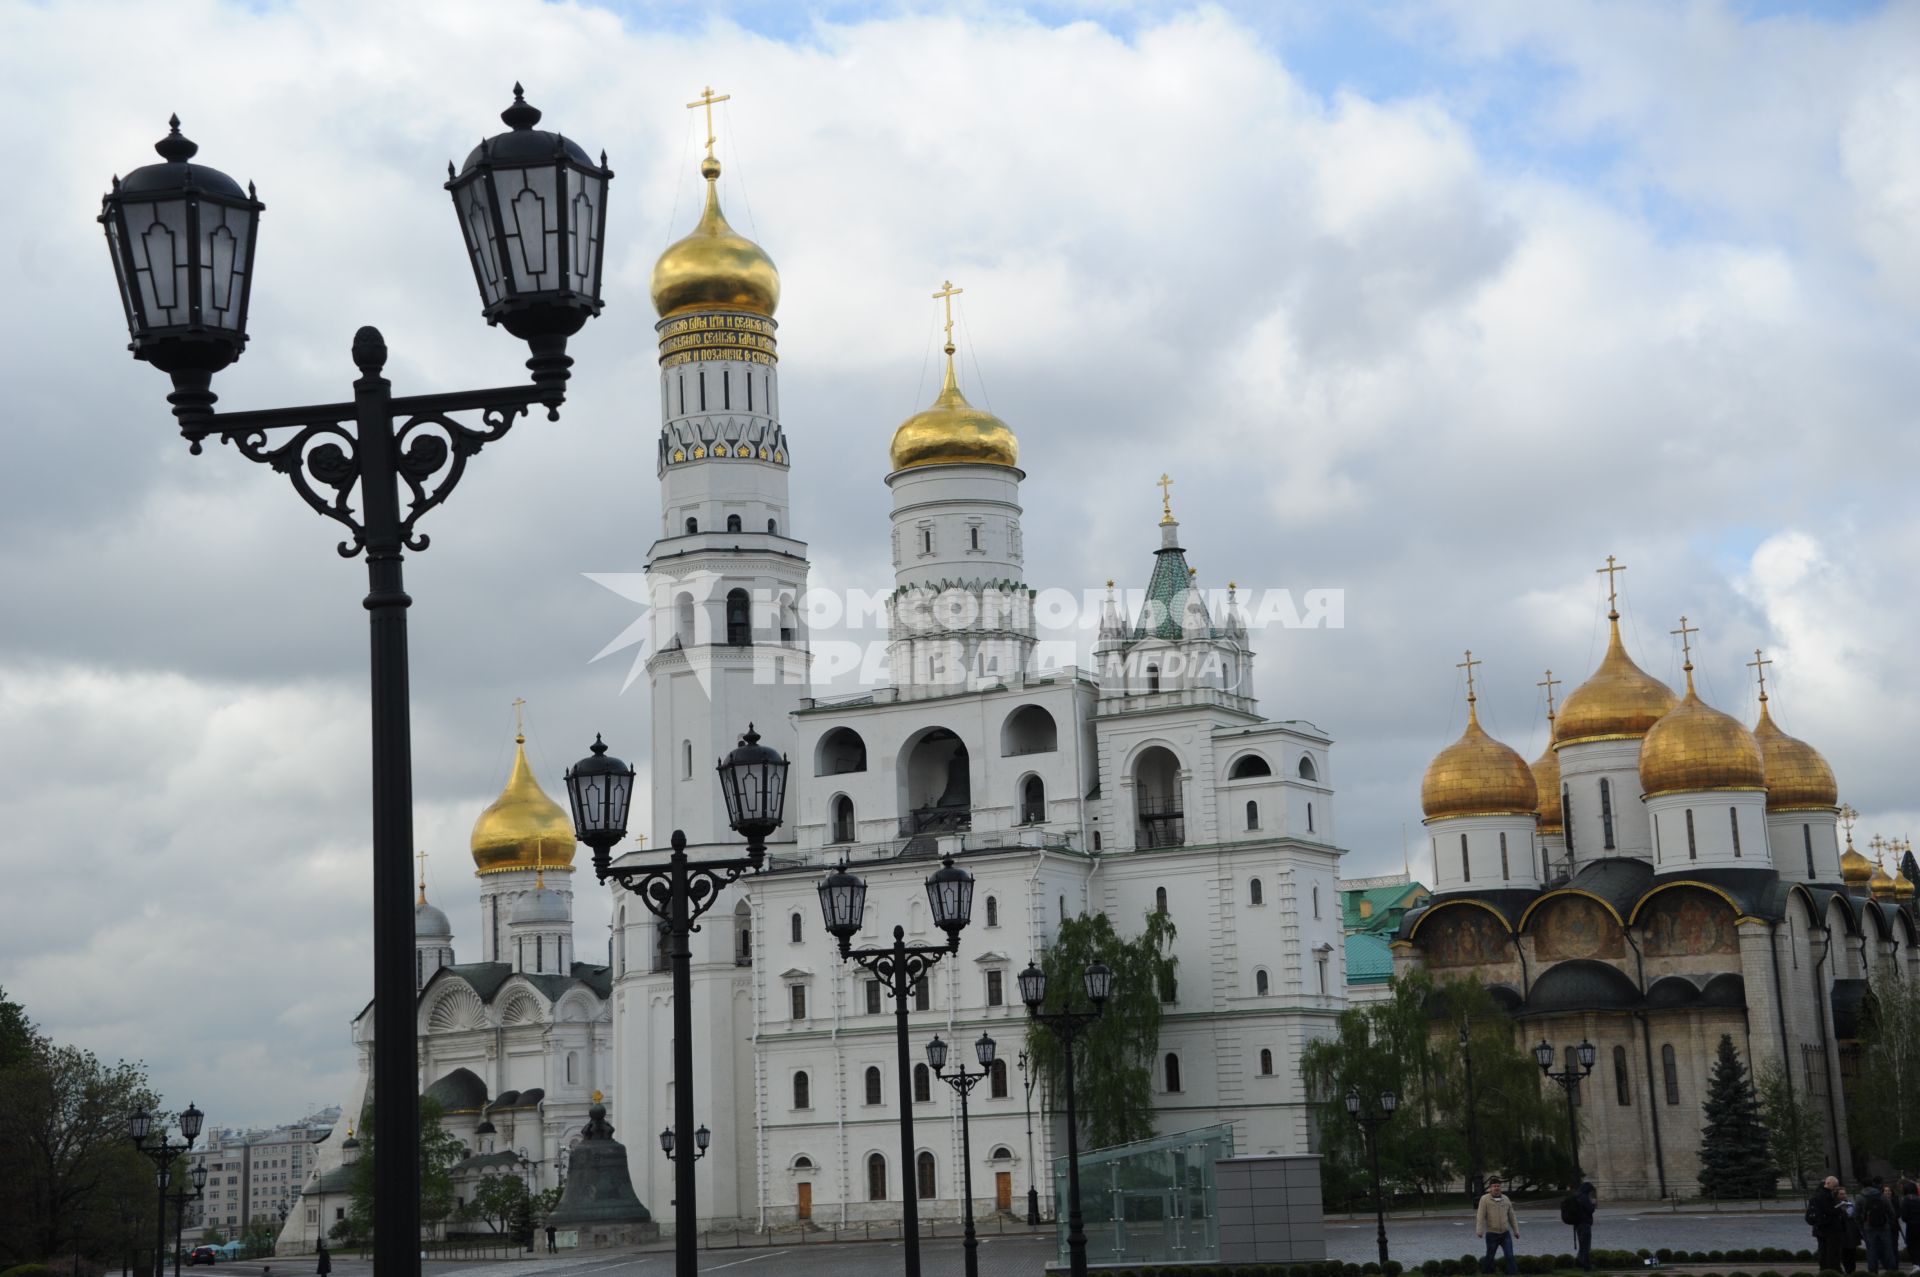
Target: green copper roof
{"type": "Point", "coordinates": [1166, 603]}
{"type": "Point", "coordinates": [1369, 959]}
{"type": "Point", "coordinates": [1388, 904]}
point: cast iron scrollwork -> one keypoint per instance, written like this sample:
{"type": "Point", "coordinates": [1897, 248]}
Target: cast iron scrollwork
{"type": "Point", "coordinates": [322, 461]}
{"type": "Point", "coordinates": [423, 455]}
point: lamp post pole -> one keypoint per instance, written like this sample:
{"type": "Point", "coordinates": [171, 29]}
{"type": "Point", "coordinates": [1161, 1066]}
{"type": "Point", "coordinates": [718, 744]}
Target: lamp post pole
{"type": "Point", "coordinates": [899, 967]}
{"type": "Point", "coordinates": [182, 237]}
{"type": "Point", "coordinates": [1027, 1079]}
{"type": "Point", "coordinates": [1579, 1064]}
{"type": "Point", "coordinates": [753, 779]}
{"type": "Point", "coordinates": [153, 1143]}
{"type": "Point", "coordinates": [963, 1081]}
{"type": "Point", "coordinates": [1369, 1130]}
{"type": "Point", "coordinates": [181, 1197]}
{"type": "Point", "coordinates": [1067, 1025]}
{"type": "Point", "coordinates": [1473, 1115]}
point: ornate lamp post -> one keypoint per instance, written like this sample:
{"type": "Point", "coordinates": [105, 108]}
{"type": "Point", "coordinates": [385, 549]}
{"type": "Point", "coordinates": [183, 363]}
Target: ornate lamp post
{"type": "Point", "coordinates": [154, 1144]}
{"type": "Point", "coordinates": [753, 779]}
{"type": "Point", "coordinates": [900, 966]}
{"type": "Point", "coordinates": [1027, 1079]}
{"type": "Point", "coordinates": [1369, 1124]}
{"type": "Point", "coordinates": [1067, 1025]}
{"type": "Point", "coordinates": [963, 1081]}
{"type": "Point", "coordinates": [180, 1197]}
{"type": "Point", "coordinates": [701, 1139]}
{"type": "Point", "coordinates": [532, 212]}
{"type": "Point", "coordinates": [1579, 1064]}
{"type": "Point", "coordinates": [1473, 1113]}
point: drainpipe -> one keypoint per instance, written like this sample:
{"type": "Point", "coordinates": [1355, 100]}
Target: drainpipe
{"type": "Point", "coordinates": [1822, 1009]}
{"type": "Point", "coordinates": [1780, 1000]}
{"type": "Point", "coordinates": [1646, 1044]}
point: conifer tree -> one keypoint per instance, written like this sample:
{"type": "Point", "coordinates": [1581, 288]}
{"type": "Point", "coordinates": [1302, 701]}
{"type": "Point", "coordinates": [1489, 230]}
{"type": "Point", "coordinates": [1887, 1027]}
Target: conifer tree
{"type": "Point", "coordinates": [1734, 1161]}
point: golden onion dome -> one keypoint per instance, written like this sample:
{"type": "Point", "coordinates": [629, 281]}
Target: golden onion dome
{"type": "Point", "coordinates": [1546, 782]}
{"type": "Point", "coordinates": [1903, 890]}
{"type": "Point", "coordinates": [953, 432]}
{"type": "Point", "coordinates": [522, 828]}
{"type": "Point", "coordinates": [716, 267]}
{"type": "Point", "coordinates": [1478, 776]}
{"type": "Point", "coordinates": [1881, 884]}
{"type": "Point", "coordinates": [1695, 747]}
{"type": "Point", "coordinates": [1855, 869]}
{"type": "Point", "coordinates": [1798, 779]}
{"type": "Point", "coordinates": [1619, 701]}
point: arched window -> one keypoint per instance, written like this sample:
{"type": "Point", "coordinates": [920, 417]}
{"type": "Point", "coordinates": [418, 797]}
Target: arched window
{"type": "Point", "coordinates": [1153, 678]}
{"type": "Point", "coordinates": [1253, 814]}
{"type": "Point", "coordinates": [1033, 801]}
{"type": "Point", "coordinates": [686, 760]}
{"type": "Point", "coordinates": [993, 911]}
{"type": "Point", "coordinates": [1256, 894]}
{"type": "Point", "coordinates": [842, 818]}
{"type": "Point", "coordinates": [997, 1080]}
{"type": "Point", "coordinates": [1693, 848]}
{"type": "Point", "coordinates": [974, 535]}
{"type": "Point", "coordinates": [1806, 837]}
{"type": "Point", "coordinates": [1622, 1088]}
{"type": "Point", "coordinates": [773, 527]}
{"type": "Point", "coordinates": [1159, 899]}
{"type": "Point", "coordinates": [1670, 1071]}
{"type": "Point", "coordinates": [922, 1085]}
{"type": "Point", "coordinates": [1248, 765]}
{"type": "Point", "coordinates": [1733, 814]}
{"type": "Point", "coordinates": [573, 1067]}
{"type": "Point", "coordinates": [793, 926]}
{"type": "Point", "coordinates": [693, 525]}
{"type": "Point", "coordinates": [1309, 817]}
{"type": "Point", "coordinates": [1566, 817]}
{"type": "Point", "coordinates": [1001, 1153]}
{"type": "Point", "coordinates": [1316, 900]}
{"type": "Point", "coordinates": [802, 1087]}
{"type": "Point", "coordinates": [876, 1178]}
{"type": "Point", "coordinates": [1261, 982]}
{"type": "Point", "coordinates": [923, 1172]}
{"type": "Point", "coordinates": [733, 523]}
{"type": "Point", "coordinates": [803, 1163]}
{"type": "Point", "coordinates": [1504, 873]}
{"type": "Point", "coordinates": [1266, 1062]}
{"type": "Point", "coordinates": [1466, 862]}
{"type": "Point", "coordinates": [1173, 1071]}
{"type": "Point", "coordinates": [922, 995]}
{"type": "Point", "coordinates": [739, 619]}
{"type": "Point", "coordinates": [1606, 815]}
{"type": "Point", "coordinates": [683, 619]}
{"type": "Point", "coordinates": [1307, 771]}
{"type": "Point", "coordinates": [662, 947]}
{"type": "Point", "coordinates": [1063, 908]}
{"type": "Point", "coordinates": [873, 1085]}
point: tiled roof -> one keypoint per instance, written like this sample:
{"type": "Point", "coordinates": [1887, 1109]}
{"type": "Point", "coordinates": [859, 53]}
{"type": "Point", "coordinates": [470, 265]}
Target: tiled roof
{"type": "Point", "coordinates": [1164, 613]}
{"type": "Point", "coordinates": [1369, 959]}
{"type": "Point", "coordinates": [1384, 900]}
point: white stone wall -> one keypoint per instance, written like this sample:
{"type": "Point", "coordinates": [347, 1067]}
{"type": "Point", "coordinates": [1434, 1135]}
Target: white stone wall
{"type": "Point", "coordinates": [1714, 830]}
{"type": "Point", "coordinates": [1583, 766]}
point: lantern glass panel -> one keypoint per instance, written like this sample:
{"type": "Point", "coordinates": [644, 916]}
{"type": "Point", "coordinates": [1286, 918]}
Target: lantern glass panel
{"type": "Point", "coordinates": [984, 1050]}
{"type": "Point", "coordinates": [199, 1177]}
{"type": "Point", "coordinates": [159, 256]}
{"type": "Point", "coordinates": [1543, 1054]}
{"type": "Point", "coordinates": [950, 893]}
{"type": "Point", "coordinates": [226, 257]}
{"type": "Point", "coordinates": [843, 903]}
{"type": "Point", "coordinates": [190, 1122]}
{"type": "Point", "coordinates": [1389, 1102]}
{"type": "Point", "coordinates": [703, 1137]}
{"type": "Point", "coordinates": [530, 220]}
{"type": "Point", "coordinates": [474, 203]}
{"type": "Point", "coordinates": [1099, 982]}
{"type": "Point", "coordinates": [1033, 986]}
{"type": "Point", "coordinates": [139, 1124]}
{"type": "Point", "coordinates": [937, 1053]}
{"type": "Point", "coordinates": [1587, 1054]}
{"type": "Point", "coordinates": [586, 216]}
{"type": "Point", "coordinates": [1353, 1103]}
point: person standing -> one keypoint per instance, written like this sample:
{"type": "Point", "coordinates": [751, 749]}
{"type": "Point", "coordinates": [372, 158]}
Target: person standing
{"type": "Point", "coordinates": [1495, 1220]}
{"type": "Point", "coordinates": [1850, 1251]}
{"type": "Point", "coordinates": [1878, 1225]}
{"type": "Point", "coordinates": [1829, 1223]}
{"type": "Point", "coordinates": [553, 1247]}
{"type": "Point", "coordinates": [1909, 1212]}
{"type": "Point", "coordinates": [1578, 1211]}
{"type": "Point", "coordinates": [325, 1265]}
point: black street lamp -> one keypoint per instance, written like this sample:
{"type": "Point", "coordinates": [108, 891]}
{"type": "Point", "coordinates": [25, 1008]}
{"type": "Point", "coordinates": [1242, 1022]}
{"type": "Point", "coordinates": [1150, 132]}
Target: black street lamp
{"type": "Point", "coordinates": [701, 1138]}
{"type": "Point", "coordinates": [1067, 1025]}
{"type": "Point", "coordinates": [1473, 1113]}
{"type": "Point", "coordinates": [963, 1081]}
{"type": "Point", "coordinates": [1579, 1064]}
{"type": "Point", "coordinates": [532, 212]}
{"type": "Point", "coordinates": [154, 1144]}
{"type": "Point", "coordinates": [180, 1197]}
{"type": "Point", "coordinates": [753, 779]}
{"type": "Point", "coordinates": [1369, 1131]}
{"type": "Point", "coordinates": [901, 966]}
{"type": "Point", "coordinates": [1027, 1079]}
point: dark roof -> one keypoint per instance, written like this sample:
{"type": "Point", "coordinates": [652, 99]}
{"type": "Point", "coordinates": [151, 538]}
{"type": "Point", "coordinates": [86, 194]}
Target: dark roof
{"type": "Point", "coordinates": [1508, 902]}
{"type": "Point", "coordinates": [1757, 893]}
{"type": "Point", "coordinates": [337, 1180]}
{"type": "Point", "coordinates": [1506, 997]}
{"type": "Point", "coordinates": [1672, 991]}
{"type": "Point", "coordinates": [1618, 880]}
{"type": "Point", "coordinates": [1725, 990]}
{"type": "Point", "coordinates": [1823, 897]}
{"type": "Point", "coordinates": [1163, 613]}
{"type": "Point", "coordinates": [1582, 985]}
{"type": "Point", "coordinates": [487, 979]}
{"type": "Point", "coordinates": [459, 1091]}
{"type": "Point", "coordinates": [1851, 1011]}
{"type": "Point", "coordinates": [485, 1161]}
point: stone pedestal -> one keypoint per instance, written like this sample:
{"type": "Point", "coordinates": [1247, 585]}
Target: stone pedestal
{"type": "Point", "coordinates": [1268, 1209]}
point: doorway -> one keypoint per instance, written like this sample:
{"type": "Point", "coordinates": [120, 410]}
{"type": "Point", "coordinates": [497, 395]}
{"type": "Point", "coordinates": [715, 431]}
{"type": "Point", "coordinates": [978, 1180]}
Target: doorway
{"type": "Point", "coordinates": [1003, 1190]}
{"type": "Point", "coordinates": [805, 1208]}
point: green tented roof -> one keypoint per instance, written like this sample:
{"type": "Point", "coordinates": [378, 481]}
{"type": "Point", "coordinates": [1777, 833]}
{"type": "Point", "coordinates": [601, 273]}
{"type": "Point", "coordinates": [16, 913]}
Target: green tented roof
{"type": "Point", "coordinates": [1369, 959]}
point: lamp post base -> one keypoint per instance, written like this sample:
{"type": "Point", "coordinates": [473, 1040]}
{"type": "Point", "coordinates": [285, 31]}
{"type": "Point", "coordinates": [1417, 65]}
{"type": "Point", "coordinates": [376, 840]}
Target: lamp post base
{"type": "Point", "coordinates": [1033, 1206]}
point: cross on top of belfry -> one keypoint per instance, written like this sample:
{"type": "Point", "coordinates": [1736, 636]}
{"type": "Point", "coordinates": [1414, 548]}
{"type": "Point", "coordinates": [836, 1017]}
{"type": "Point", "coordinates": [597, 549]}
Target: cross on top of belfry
{"type": "Point", "coordinates": [1759, 666]}
{"type": "Point", "coordinates": [1613, 595]}
{"type": "Point", "coordinates": [1550, 683]}
{"type": "Point", "coordinates": [421, 856]}
{"type": "Point", "coordinates": [1686, 632]}
{"type": "Point", "coordinates": [707, 98]}
{"type": "Point", "coordinates": [1166, 498]}
{"type": "Point", "coordinates": [945, 296]}
{"type": "Point", "coordinates": [519, 720]}
{"type": "Point", "coordinates": [1468, 665]}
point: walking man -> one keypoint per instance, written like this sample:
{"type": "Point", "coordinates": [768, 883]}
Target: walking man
{"type": "Point", "coordinates": [1829, 1224]}
{"type": "Point", "coordinates": [1578, 1211]}
{"type": "Point", "coordinates": [1496, 1221]}
{"type": "Point", "coordinates": [553, 1247]}
{"type": "Point", "coordinates": [1878, 1222]}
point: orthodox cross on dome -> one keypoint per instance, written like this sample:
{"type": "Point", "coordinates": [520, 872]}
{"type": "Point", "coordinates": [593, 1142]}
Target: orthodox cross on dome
{"type": "Point", "coordinates": [1550, 683]}
{"type": "Point", "coordinates": [707, 98]}
{"type": "Point", "coordinates": [1166, 498]}
{"type": "Point", "coordinates": [421, 856]}
{"type": "Point", "coordinates": [519, 720]}
{"type": "Point", "coordinates": [1759, 666]}
{"type": "Point", "coordinates": [945, 297]}
{"type": "Point", "coordinates": [1686, 648]}
{"type": "Point", "coordinates": [1613, 595]}
{"type": "Point", "coordinates": [1468, 665]}
{"type": "Point", "coordinates": [1847, 816]}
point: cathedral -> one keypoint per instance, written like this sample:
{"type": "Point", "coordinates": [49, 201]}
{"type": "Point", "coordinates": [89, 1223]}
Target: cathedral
{"type": "Point", "coordinates": [1660, 876]}
{"type": "Point", "coordinates": [1145, 780]}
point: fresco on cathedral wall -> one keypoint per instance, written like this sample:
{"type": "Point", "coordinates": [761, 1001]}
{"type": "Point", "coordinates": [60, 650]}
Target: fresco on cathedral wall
{"type": "Point", "coordinates": [1464, 937]}
{"type": "Point", "coordinates": [1576, 927]}
{"type": "Point", "coordinates": [1685, 923]}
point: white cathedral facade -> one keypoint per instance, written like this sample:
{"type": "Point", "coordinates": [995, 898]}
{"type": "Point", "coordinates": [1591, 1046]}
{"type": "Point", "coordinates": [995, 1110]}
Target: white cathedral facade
{"type": "Point", "coordinates": [1147, 781]}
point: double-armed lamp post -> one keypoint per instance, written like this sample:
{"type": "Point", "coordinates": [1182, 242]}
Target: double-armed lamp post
{"type": "Point", "coordinates": [899, 967]}
{"type": "Point", "coordinates": [1067, 1025]}
{"type": "Point", "coordinates": [753, 779]}
{"type": "Point", "coordinates": [963, 1080]}
{"type": "Point", "coordinates": [1370, 1124]}
{"type": "Point", "coordinates": [1027, 1078]}
{"type": "Point", "coordinates": [1579, 1063]}
{"type": "Point", "coordinates": [532, 209]}
{"type": "Point", "coordinates": [669, 1141]}
{"type": "Point", "coordinates": [153, 1143]}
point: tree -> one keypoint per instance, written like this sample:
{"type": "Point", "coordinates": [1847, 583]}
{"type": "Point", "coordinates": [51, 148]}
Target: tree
{"type": "Point", "coordinates": [439, 1150]}
{"type": "Point", "coordinates": [547, 1201]}
{"type": "Point", "coordinates": [1734, 1158]}
{"type": "Point", "coordinates": [1796, 1137]}
{"type": "Point", "coordinates": [1113, 1064]}
{"type": "Point", "coordinates": [1881, 1112]}
{"type": "Point", "coordinates": [16, 1033]}
{"type": "Point", "coordinates": [260, 1234]}
{"type": "Point", "coordinates": [495, 1199]}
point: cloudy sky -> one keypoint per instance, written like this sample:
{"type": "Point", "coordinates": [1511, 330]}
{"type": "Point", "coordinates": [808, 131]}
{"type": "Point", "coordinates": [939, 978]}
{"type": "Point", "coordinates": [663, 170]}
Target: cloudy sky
{"type": "Point", "coordinates": [1435, 304]}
